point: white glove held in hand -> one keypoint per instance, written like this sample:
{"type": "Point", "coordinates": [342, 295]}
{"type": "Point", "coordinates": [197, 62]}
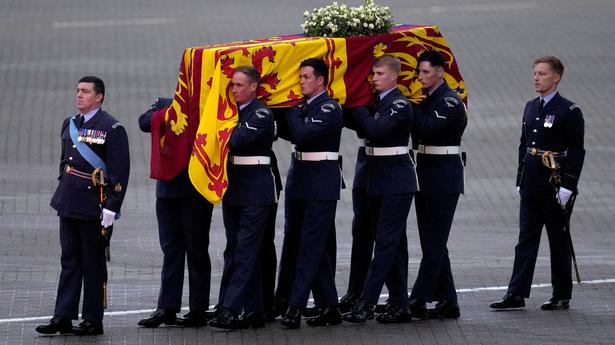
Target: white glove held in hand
{"type": "Point", "coordinates": [107, 218]}
{"type": "Point", "coordinates": [563, 196]}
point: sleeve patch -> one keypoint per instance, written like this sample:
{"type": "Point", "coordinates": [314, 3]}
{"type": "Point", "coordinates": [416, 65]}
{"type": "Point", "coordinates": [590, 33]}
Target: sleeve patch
{"type": "Point", "coordinates": [327, 107]}
{"type": "Point", "coordinates": [451, 102]}
{"type": "Point", "coordinates": [262, 112]}
{"type": "Point", "coordinates": [116, 125]}
{"type": "Point", "coordinates": [574, 106]}
{"type": "Point", "coordinates": [400, 103]}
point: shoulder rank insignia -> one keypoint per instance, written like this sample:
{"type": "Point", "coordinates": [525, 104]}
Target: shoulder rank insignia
{"type": "Point", "coordinates": [574, 106]}
{"type": "Point", "coordinates": [262, 112]}
{"type": "Point", "coordinates": [400, 103]}
{"type": "Point", "coordinates": [451, 102]}
{"type": "Point", "coordinates": [116, 125]}
{"type": "Point", "coordinates": [327, 107]}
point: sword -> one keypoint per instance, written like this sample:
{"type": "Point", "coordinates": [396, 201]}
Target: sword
{"type": "Point", "coordinates": [98, 179]}
{"type": "Point", "coordinates": [548, 160]}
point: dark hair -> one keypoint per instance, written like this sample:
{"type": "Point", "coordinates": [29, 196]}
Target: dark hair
{"type": "Point", "coordinates": [433, 57]}
{"type": "Point", "coordinates": [556, 65]}
{"type": "Point", "coordinates": [320, 67]}
{"type": "Point", "coordinates": [250, 72]}
{"type": "Point", "coordinates": [99, 85]}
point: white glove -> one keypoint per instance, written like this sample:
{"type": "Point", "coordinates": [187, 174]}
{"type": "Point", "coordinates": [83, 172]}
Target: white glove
{"type": "Point", "coordinates": [563, 195]}
{"type": "Point", "coordinates": [519, 189]}
{"type": "Point", "coordinates": [107, 218]}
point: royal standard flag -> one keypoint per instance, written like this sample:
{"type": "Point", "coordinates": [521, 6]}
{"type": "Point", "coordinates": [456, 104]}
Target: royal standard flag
{"type": "Point", "coordinates": [194, 130]}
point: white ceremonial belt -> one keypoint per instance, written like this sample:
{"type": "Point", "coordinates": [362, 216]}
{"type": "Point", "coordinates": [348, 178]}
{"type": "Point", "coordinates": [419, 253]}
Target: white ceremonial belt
{"type": "Point", "coordinates": [316, 156]}
{"type": "Point", "coordinates": [386, 151]}
{"type": "Point", "coordinates": [438, 150]}
{"type": "Point", "coordinates": [250, 160]}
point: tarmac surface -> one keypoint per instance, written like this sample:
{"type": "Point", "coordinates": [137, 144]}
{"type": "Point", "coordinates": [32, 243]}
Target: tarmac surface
{"type": "Point", "coordinates": [135, 46]}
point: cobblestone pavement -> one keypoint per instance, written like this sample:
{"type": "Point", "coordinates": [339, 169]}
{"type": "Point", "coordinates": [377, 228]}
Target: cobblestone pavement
{"type": "Point", "coordinates": [46, 46]}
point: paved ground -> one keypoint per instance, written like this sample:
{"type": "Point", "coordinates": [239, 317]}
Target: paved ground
{"type": "Point", "coordinates": [135, 47]}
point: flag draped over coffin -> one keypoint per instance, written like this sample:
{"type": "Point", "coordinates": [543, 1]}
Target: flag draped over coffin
{"type": "Point", "coordinates": [194, 130]}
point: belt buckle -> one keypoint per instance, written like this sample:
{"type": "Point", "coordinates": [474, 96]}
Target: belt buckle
{"type": "Point", "coordinates": [533, 151]}
{"type": "Point", "coordinates": [369, 150]}
{"type": "Point", "coordinates": [67, 169]}
{"type": "Point", "coordinates": [298, 155]}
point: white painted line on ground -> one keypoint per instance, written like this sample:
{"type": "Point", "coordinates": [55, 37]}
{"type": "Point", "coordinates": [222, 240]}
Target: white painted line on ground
{"type": "Point", "coordinates": [111, 22]}
{"type": "Point", "coordinates": [147, 311]}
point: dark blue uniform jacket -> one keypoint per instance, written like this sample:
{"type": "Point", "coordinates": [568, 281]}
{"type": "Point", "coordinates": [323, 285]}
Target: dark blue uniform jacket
{"type": "Point", "coordinates": [76, 197]}
{"type": "Point", "coordinates": [253, 136]}
{"type": "Point", "coordinates": [440, 121]}
{"type": "Point", "coordinates": [315, 128]}
{"type": "Point", "coordinates": [389, 126]}
{"type": "Point", "coordinates": [558, 127]}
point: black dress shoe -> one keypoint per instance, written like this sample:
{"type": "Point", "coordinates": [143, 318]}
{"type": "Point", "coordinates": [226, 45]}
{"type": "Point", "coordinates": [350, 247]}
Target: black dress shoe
{"type": "Point", "coordinates": [88, 328]}
{"type": "Point", "coordinates": [57, 324]}
{"type": "Point", "coordinates": [347, 302]}
{"type": "Point", "coordinates": [158, 317]}
{"type": "Point", "coordinates": [252, 319]}
{"type": "Point", "coordinates": [509, 301]}
{"type": "Point", "coordinates": [311, 312]}
{"type": "Point", "coordinates": [292, 318]}
{"type": "Point", "coordinates": [418, 309]}
{"type": "Point", "coordinates": [445, 310]}
{"type": "Point", "coordinates": [271, 314]}
{"type": "Point", "coordinates": [362, 312]}
{"type": "Point", "coordinates": [395, 315]}
{"type": "Point", "coordinates": [328, 317]}
{"type": "Point", "coordinates": [381, 308]}
{"type": "Point", "coordinates": [556, 304]}
{"type": "Point", "coordinates": [211, 314]}
{"type": "Point", "coordinates": [193, 319]}
{"type": "Point", "coordinates": [227, 319]}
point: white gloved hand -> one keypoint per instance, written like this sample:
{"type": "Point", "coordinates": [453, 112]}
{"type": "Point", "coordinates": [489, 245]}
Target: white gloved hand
{"type": "Point", "coordinates": [107, 218]}
{"type": "Point", "coordinates": [563, 195]}
{"type": "Point", "coordinates": [519, 189]}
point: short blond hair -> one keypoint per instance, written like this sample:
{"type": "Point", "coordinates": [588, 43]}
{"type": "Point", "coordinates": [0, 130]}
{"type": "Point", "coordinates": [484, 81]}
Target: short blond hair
{"type": "Point", "coordinates": [392, 62]}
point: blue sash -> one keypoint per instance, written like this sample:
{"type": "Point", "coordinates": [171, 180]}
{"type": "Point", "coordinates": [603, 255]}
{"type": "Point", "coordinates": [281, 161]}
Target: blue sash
{"type": "Point", "coordinates": [85, 151]}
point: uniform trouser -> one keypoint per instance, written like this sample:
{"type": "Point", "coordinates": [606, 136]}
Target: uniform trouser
{"type": "Point", "coordinates": [434, 214]}
{"type": "Point", "coordinates": [83, 260]}
{"type": "Point", "coordinates": [363, 244]}
{"type": "Point", "coordinates": [245, 227]}
{"type": "Point", "coordinates": [313, 220]}
{"type": "Point", "coordinates": [290, 250]}
{"type": "Point", "coordinates": [268, 263]}
{"type": "Point", "coordinates": [533, 215]}
{"type": "Point", "coordinates": [389, 215]}
{"type": "Point", "coordinates": [268, 259]}
{"type": "Point", "coordinates": [183, 229]}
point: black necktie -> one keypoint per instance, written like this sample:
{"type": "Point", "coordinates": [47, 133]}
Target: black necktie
{"type": "Point", "coordinates": [542, 105]}
{"type": "Point", "coordinates": [80, 120]}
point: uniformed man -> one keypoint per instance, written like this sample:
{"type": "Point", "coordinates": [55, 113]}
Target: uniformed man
{"type": "Point", "coordinates": [436, 133]}
{"type": "Point", "coordinates": [391, 184]}
{"type": "Point", "coordinates": [247, 204]}
{"type": "Point", "coordinates": [184, 218]}
{"type": "Point", "coordinates": [550, 123]}
{"type": "Point", "coordinates": [312, 190]}
{"type": "Point", "coordinates": [91, 139]}
{"type": "Point", "coordinates": [362, 233]}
